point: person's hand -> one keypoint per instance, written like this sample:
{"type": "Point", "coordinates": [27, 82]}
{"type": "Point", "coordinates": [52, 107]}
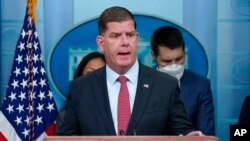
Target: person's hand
{"type": "Point", "coordinates": [194, 133]}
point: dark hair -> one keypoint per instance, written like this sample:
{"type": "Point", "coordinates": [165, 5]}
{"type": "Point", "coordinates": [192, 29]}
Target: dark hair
{"type": "Point", "coordinates": [167, 36]}
{"type": "Point", "coordinates": [85, 60]}
{"type": "Point", "coordinates": [113, 14]}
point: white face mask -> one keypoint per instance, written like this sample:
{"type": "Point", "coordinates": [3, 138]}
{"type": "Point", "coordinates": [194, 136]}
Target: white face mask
{"type": "Point", "coordinates": [175, 70]}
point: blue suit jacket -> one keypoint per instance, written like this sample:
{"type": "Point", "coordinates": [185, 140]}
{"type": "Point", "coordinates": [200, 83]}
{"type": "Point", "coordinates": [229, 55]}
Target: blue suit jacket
{"type": "Point", "coordinates": [198, 100]}
{"type": "Point", "coordinates": [158, 109]}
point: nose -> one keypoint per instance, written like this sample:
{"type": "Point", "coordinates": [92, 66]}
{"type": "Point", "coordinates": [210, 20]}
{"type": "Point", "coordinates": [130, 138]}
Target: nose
{"type": "Point", "coordinates": [175, 62]}
{"type": "Point", "coordinates": [172, 62]}
{"type": "Point", "coordinates": [124, 40]}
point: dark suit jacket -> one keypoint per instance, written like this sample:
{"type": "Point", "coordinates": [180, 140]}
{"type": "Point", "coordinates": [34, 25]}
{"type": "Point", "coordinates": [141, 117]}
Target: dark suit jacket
{"type": "Point", "coordinates": [198, 100]}
{"type": "Point", "coordinates": [158, 109]}
{"type": "Point", "coordinates": [244, 117]}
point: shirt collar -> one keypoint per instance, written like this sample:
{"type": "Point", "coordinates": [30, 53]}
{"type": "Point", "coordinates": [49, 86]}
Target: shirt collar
{"type": "Point", "coordinates": [131, 74]}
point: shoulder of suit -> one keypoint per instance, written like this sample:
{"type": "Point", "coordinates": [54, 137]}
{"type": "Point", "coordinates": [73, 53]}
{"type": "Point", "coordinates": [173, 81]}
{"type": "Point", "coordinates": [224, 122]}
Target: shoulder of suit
{"type": "Point", "coordinates": [194, 76]}
{"type": "Point", "coordinates": [247, 99]}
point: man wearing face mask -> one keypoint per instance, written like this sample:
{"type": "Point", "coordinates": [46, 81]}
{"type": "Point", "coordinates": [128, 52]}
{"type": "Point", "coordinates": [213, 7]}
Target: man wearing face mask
{"type": "Point", "coordinates": [168, 50]}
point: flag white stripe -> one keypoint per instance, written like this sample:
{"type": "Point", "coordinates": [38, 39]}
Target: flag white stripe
{"type": "Point", "coordinates": [11, 134]}
{"type": "Point", "coordinates": [42, 137]}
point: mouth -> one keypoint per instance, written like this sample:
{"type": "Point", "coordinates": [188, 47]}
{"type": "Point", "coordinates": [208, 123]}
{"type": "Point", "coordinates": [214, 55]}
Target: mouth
{"type": "Point", "coordinates": [123, 53]}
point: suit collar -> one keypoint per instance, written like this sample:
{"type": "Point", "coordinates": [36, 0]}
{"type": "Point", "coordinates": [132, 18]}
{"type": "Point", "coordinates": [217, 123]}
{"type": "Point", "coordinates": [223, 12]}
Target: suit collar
{"type": "Point", "coordinates": [184, 78]}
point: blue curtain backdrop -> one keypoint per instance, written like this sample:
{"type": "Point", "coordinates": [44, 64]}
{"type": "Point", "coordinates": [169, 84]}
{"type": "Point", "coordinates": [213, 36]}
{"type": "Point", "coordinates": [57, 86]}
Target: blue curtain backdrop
{"type": "Point", "coordinates": [222, 27]}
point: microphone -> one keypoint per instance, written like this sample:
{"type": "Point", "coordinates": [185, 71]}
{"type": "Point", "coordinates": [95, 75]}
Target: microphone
{"type": "Point", "coordinates": [134, 131]}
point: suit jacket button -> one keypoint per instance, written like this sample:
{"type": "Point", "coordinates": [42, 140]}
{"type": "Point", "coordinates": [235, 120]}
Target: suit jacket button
{"type": "Point", "coordinates": [121, 132]}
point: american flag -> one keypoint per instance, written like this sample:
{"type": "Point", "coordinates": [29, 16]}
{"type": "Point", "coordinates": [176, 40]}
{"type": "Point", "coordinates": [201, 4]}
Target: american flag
{"type": "Point", "coordinates": [28, 109]}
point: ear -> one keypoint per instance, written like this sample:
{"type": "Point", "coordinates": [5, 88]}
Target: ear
{"type": "Point", "coordinates": [99, 42]}
{"type": "Point", "coordinates": [137, 37]}
{"type": "Point", "coordinates": [153, 55]}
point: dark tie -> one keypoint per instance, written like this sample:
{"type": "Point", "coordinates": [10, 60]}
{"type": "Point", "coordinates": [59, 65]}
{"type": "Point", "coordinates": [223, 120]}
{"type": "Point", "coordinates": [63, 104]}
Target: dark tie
{"type": "Point", "coordinates": [123, 106]}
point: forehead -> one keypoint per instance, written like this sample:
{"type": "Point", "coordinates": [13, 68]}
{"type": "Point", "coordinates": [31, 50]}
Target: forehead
{"type": "Point", "coordinates": [167, 53]}
{"type": "Point", "coordinates": [127, 26]}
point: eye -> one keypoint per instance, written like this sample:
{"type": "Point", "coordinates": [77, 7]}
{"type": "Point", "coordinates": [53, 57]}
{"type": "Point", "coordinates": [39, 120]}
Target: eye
{"type": "Point", "coordinates": [131, 35]}
{"type": "Point", "coordinates": [115, 36]}
{"type": "Point", "coordinates": [179, 59]}
{"type": "Point", "coordinates": [167, 61]}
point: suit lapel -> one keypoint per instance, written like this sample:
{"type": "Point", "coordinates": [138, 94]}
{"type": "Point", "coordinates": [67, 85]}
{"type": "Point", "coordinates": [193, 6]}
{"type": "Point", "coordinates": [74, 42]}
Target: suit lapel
{"type": "Point", "coordinates": [102, 100]}
{"type": "Point", "coordinates": [144, 87]}
{"type": "Point", "coordinates": [185, 86]}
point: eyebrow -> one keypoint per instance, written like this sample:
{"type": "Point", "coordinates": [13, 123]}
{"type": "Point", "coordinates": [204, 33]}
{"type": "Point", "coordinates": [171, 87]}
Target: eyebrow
{"type": "Point", "coordinates": [167, 60]}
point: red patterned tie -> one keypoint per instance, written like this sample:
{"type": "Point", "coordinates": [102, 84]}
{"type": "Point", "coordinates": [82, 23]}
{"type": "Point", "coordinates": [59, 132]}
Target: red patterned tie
{"type": "Point", "coordinates": [123, 106]}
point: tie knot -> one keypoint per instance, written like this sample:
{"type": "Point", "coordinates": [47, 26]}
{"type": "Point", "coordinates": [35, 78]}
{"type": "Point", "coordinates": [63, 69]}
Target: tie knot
{"type": "Point", "coordinates": [122, 79]}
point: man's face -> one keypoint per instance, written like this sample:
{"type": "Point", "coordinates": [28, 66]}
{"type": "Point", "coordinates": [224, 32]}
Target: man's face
{"type": "Point", "coordinates": [170, 56]}
{"type": "Point", "coordinates": [119, 45]}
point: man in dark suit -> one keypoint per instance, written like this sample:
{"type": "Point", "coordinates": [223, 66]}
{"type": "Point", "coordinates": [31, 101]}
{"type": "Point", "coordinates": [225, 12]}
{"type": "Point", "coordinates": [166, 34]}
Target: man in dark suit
{"type": "Point", "coordinates": [168, 50]}
{"type": "Point", "coordinates": [244, 117]}
{"type": "Point", "coordinates": [153, 97]}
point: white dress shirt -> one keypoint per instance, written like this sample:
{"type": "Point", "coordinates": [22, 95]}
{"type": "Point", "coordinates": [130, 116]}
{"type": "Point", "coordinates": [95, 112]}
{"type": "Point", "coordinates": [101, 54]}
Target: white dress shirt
{"type": "Point", "coordinates": [114, 87]}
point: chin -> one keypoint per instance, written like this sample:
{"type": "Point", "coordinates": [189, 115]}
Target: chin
{"type": "Point", "coordinates": [125, 62]}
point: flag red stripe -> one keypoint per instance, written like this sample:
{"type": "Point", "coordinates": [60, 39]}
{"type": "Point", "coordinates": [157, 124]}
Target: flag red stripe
{"type": "Point", "coordinates": [51, 130]}
{"type": "Point", "coordinates": [2, 137]}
